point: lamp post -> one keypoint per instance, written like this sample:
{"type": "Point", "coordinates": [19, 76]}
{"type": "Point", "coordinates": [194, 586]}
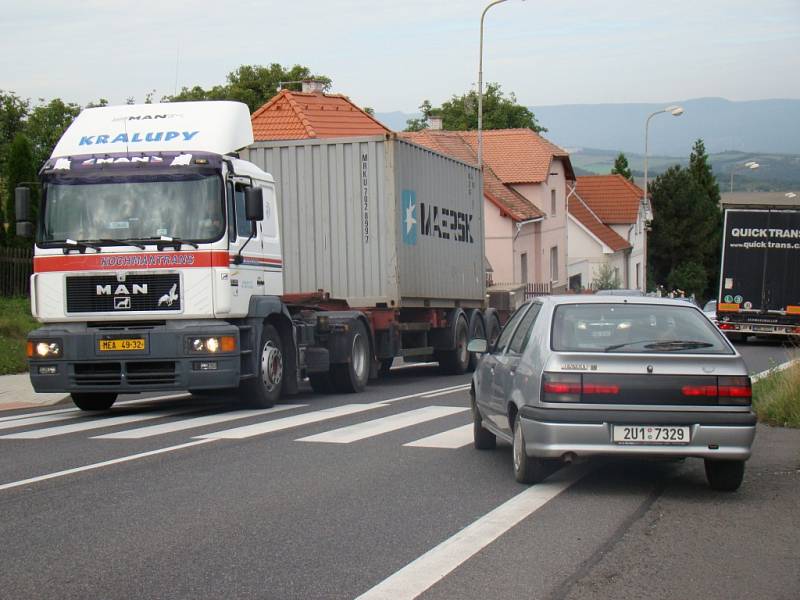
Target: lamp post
{"type": "Point", "coordinates": [675, 111]}
{"type": "Point", "coordinates": [480, 86]}
{"type": "Point", "coordinates": [751, 164]}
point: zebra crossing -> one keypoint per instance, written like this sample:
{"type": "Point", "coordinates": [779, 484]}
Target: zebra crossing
{"type": "Point", "coordinates": [132, 425]}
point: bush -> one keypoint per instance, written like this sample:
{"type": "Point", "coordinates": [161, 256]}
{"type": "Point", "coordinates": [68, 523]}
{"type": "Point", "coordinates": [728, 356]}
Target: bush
{"type": "Point", "coordinates": [15, 323]}
{"type": "Point", "coordinates": [776, 397]}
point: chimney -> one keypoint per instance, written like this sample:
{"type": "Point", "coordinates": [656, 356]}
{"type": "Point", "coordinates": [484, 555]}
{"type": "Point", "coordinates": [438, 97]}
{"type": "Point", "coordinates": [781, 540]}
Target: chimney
{"type": "Point", "coordinates": [311, 86]}
{"type": "Point", "coordinates": [434, 123]}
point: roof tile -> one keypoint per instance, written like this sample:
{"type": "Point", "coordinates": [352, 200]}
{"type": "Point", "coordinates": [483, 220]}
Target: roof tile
{"type": "Point", "coordinates": [614, 199]}
{"type": "Point", "coordinates": [581, 211]}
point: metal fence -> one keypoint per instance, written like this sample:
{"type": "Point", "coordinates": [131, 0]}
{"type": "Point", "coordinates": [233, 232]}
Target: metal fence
{"type": "Point", "coordinates": [16, 266]}
{"type": "Point", "coordinates": [531, 289]}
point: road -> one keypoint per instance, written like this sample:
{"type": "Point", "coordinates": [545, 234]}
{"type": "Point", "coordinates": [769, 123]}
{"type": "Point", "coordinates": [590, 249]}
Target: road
{"type": "Point", "coordinates": [378, 494]}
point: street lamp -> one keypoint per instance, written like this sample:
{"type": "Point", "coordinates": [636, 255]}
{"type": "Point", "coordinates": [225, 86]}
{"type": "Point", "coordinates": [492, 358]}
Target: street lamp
{"type": "Point", "coordinates": [675, 111]}
{"type": "Point", "coordinates": [480, 86]}
{"type": "Point", "coordinates": [750, 164]}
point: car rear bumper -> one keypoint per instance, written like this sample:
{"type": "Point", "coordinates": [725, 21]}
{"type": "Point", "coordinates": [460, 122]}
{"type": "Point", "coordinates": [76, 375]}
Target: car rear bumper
{"type": "Point", "coordinates": [554, 433]}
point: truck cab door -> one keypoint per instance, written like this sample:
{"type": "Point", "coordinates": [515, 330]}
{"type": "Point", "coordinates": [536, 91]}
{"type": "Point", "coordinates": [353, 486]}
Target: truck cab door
{"type": "Point", "coordinates": [247, 277]}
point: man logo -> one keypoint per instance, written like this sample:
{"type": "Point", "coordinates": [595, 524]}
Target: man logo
{"type": "Point", "coordinates": [122, 303]}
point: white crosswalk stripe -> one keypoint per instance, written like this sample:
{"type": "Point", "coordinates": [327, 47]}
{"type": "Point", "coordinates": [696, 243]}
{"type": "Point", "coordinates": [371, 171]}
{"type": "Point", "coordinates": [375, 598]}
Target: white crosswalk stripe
{"type": "Point", "coordinates": [247, 431]}
{"type": "Point", "coordinates": [38, 420]}
{"type": "Point", "coordinates": [360, 431]}
{"type": "Point", "coordinates": [162, 428]}
{"type": "Point", "coordinates": [84, 425]}
{"type": "Point", "coordinates": [452, 439]}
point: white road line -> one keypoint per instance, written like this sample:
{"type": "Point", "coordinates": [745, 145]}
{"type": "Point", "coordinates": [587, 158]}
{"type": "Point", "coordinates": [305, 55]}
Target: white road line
{"type": "Point", "coordinates": [238, 433]}
{"type": "Point", "coordinates": [38, 414]}
{"type": "Point", "coordinates": [422, 394]}
{"type": "Point", "coordinates": [421, 574]}
{"type": "Point", "coordinates": [37, 434]}
{"type": "Point", "coordinates": [38, 420]}
{"type": "Point", "coordinates": [462, 388]}
{"type": "Point", "coordinates": [106, 463]}
{"type": "Point", "coordinates": [455, 438]}
{"type": "Point", "coordinates": [360, 431]}
{"type": "Point", "coordinates": [191, 423]}
{"type": "Point", "coordinates": [775, 369]}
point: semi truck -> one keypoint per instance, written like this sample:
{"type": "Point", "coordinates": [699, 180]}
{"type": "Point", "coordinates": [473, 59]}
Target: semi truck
{"type": "Point", "coordinates": [759, 287]}
{"type": "Point", "coordinates": [163, 260]}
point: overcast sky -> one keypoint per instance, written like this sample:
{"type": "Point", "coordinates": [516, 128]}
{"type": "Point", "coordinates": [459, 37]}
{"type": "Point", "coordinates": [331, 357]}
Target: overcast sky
{"type": "Point", "coordinates": [392, 55]}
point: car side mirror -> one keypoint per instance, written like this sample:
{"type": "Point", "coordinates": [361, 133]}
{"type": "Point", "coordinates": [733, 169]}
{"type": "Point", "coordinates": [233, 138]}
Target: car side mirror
{"type": "Point", "coordinates": [254, 204]}
{"type": "Point", "coordinates": [478, 345]}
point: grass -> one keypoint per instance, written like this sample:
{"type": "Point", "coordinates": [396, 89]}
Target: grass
{"type": "Point", "coordinates": [776, 398]}
{"type": "Point", "coordinates": [15, 323]}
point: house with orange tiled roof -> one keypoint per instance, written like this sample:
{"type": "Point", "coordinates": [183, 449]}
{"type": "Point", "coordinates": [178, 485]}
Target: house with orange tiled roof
{"type": "Point", "coordinates": [525, 188]}
{"type": "Point", "coordinates": [606, 226]}
{"type": "Point", "coordinates": [312, 114]}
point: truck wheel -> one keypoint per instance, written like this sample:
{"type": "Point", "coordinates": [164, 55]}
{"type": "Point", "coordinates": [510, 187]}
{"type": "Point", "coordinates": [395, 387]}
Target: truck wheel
{"type": "Point", "coordinates": [527, 469]}
{"type": "Point", "coordinates": [477, 329]}
{"type": "Point", "coordinates": [483, 438]}
{"type": "Point", "coordinates": [456, 361]}
{"type": "Point", "coordinates": [97, 401]}
{"type": "Point", "coordinates": [265, 390]}
{"type": "Point", "coordinates": [352, 376]}
{"type": "Point", "coordinates": [724, 475]}
{"type": "Point", "coordinates": [492, 329]}
{"type": "Point", "coordinates": [321, 382]}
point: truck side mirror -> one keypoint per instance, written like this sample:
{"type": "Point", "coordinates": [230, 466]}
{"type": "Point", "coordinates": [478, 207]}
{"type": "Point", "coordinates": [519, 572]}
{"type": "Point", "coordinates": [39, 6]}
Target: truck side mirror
{"type": "Point", "coordinates": [254, 204]}
{"type": "Point", "coordinates": [22, 210]}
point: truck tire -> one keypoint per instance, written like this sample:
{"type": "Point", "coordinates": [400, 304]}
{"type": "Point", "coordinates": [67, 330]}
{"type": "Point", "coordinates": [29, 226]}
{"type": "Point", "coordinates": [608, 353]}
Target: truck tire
{"type": "Point", "coordinates": [456, 361]}
{"type": "Point", "coordinates": [492, 328]}
{"type": "Point", "coordinates": [724, 475]}
{"type": "Point", "coordinates": [477, 329]}
{"type": "Point", "coordinates": [483, 439]}
{"type": "Point", "coordinates": [321, 382]}
{"type": "Point", "coordinates": [352, 376]}
{"type": "Point", "coordinates": [265, 390]}
{"type": "Point", "coordinates": [94, 401]}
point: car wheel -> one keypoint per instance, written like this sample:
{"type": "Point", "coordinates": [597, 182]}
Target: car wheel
{"type": "Point", "coordinates": [456, 361]}
{"type": "Point", "coordinates": [527, 469]}
{"type": "Point", "coordinates": [483, 438]}
{"type": "Point", "coordinates": [265, 390]}
{"type": "Point", "coordinates": [724, 475]}
{"type": "Point", "coordinates": [477, 329]}
{"type": "Point", "coordinates": [98, 401]}
{"type": "Point", "coordinates": [352, 376]}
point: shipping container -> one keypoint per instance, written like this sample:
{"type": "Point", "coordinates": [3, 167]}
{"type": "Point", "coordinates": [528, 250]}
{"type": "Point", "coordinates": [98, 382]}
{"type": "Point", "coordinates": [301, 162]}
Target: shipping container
{"type": "Point", "coordinates": [377, 221]}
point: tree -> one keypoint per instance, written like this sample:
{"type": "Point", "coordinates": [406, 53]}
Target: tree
{"type": "Point", "coordinates": [621, 167]}
{"type": "Point", "coordinates": [13, 112]}
{"type": "Point", "coordinates": [606, 278]}
{"type": "Point", "coordinates": [251, 84]}
{"type": "Point", "coordinates": [19, 169]}
{"type": "Point", "coordinates": [460, 113]}
{"type": "Point", "coordinates": [46, 124]}
{"type": "Point", "coordinates": [689, 277]}
{"type": "Point", "coordinates": [422, 122]}
{"type": "Point", "coordinates": [702, 173]}
{"type": "Point", "coordinates": [683, 229]}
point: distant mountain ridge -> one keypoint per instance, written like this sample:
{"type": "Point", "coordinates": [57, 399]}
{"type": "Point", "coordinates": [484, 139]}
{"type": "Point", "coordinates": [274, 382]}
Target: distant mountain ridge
{"type": "Point", "coordinates": [762, 126]}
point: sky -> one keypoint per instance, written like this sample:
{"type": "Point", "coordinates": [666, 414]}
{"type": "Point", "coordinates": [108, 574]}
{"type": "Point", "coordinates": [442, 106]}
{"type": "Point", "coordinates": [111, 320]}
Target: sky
{"type": "Point", "coordinates": [392, 55]}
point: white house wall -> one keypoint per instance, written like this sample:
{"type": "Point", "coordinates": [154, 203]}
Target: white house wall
{"type": "Point", "coordinates": [499, 243]}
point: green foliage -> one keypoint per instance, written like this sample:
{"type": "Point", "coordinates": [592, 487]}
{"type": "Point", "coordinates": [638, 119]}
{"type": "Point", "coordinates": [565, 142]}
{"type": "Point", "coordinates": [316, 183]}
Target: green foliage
{"type": "Point", "coordinates": [621, 167]}
{"type": "Point", "coordinates": [13, 111]}
{"type": "Point", "coordinates": [19, 170]}
{"type": "Point", "coordinates": [251, 84]}
{"type": "Point", "coordinates": [606, 278]}
{"type": "Point", "coordinates": [15, 323]}
{"type": "Point", "coordinates": [46, 124]}
{"type": "Point", "coordinates": [689, 277]}
{"type": "Point", "coordinates": [776, 398]}
{"type": "Point", "coordinates": [683, 230]}
{"type": "Point", "coordinates": [702, 173]}
{"type": "Point", "coordinates": [460, 113]}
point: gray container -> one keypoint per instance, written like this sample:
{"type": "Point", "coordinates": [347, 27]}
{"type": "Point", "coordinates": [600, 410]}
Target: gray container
{"type": "Point", "coordinates": [377, 221]}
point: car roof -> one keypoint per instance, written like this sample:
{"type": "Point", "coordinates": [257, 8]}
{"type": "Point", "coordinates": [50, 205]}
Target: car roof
{"type": "Point", "coordinates": [594, 299]}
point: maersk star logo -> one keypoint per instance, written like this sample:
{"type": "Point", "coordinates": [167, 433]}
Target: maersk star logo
{"type": "Point", "coordinates": [409, 217]}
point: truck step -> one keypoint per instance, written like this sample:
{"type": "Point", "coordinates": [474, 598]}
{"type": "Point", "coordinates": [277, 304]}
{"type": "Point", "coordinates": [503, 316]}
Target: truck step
{"type": "Point", "coordinates": [424, 351]}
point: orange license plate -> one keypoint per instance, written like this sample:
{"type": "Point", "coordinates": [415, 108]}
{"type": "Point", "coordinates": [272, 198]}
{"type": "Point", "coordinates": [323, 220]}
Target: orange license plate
{"type": "Point", "coordinates": [121, 345]}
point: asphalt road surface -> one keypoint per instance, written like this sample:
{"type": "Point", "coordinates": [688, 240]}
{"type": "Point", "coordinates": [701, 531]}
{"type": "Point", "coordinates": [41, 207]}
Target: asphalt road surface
{"type": "Point", "coordinates": [379, 495]}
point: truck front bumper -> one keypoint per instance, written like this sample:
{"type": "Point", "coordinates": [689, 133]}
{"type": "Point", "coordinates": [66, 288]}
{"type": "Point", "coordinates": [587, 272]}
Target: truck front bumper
{"type": "Point", "coordinates": [554, 433]}
{"type": "Point", "coordinates": [165, 361]}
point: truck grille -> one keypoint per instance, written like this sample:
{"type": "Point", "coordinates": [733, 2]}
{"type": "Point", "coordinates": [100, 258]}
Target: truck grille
{"type": "Point", "coordinates": [106, 293]}
{"type": "Point", "coordinates": [142, 373]}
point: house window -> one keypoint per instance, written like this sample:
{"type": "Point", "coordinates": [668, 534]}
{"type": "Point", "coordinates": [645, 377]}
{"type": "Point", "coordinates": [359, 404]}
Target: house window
{"type": "Point", "coordinates": [554, 263]}
{"type": "Point", "coordinates": [523, 267]}
{"type": "Point", "coordinates": [552, 203]}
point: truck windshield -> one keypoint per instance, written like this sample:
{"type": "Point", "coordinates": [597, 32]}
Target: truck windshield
{"type": "Point", "coordinates": [189, 207]}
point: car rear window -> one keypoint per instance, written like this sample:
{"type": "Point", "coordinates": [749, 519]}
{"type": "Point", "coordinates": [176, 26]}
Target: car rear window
{"type": "Point", "coordinates": [635, 328]}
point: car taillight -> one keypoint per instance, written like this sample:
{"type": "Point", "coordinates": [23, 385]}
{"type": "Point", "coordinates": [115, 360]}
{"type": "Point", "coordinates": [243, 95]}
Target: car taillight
{"type": "Point", "coordinates": [726, 326]}
{"type": "Point", "coordinates": [734, 390]}
{"type": "Point", "coordinates": [699, 390]}
{"type": "Point", "coordinates": [561, 387]}
{"type": "Point", "coordinates": [592, 388]}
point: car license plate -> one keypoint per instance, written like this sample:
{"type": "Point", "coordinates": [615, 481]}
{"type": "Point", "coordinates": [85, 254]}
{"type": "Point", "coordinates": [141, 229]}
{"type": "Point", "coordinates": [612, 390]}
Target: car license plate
{"type": "Point", "coordinates": [651, 434]}
{"type": "Point", "coordinates": [121, 345]}
{"type": "Point", "coordinates": [761, 328]}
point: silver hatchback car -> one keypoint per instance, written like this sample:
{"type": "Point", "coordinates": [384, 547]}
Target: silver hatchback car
{"type": "Point", "coordinates": [578, 376]}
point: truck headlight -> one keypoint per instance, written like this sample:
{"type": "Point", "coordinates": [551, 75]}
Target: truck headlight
{"type": "Point", "coordinates": [44, 348]}
{"type": "Point", "coordinates": [211, 344]}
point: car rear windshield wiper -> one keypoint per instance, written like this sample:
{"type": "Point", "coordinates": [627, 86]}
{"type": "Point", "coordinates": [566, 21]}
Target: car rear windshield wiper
{"type": "Point", "coordinates": [665, 345]}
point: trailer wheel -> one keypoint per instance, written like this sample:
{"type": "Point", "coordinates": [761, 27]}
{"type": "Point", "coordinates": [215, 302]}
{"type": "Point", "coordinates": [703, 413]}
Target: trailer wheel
{"type": "Point", "coordinates": [265, 390]}
{"type": "Point", "coordinates": [492, 328]}
{"type": "Point", "coordinates": [97, 401]}
{"type": "Point", "coordinates": [456, 361]}
{"type": "Point", "coordinates": [352, 376]}
{"type": "Point", "coordinates": [477, 329]}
